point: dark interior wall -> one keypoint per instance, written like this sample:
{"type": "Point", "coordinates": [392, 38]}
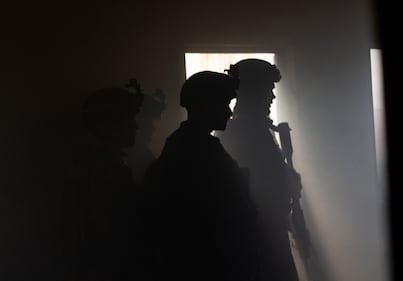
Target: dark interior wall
{"type": "Point", "coordinates": [390, 20]}
{"type": "Point", "coordinates": [56, 53]}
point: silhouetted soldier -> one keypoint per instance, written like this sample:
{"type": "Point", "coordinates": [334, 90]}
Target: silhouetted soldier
{"type": "Point", "coordinates": [200, 215]}
{"type": "Point", "coordinates": [250, 140]}
{"type": "Point", "coordinates": [108, 241]}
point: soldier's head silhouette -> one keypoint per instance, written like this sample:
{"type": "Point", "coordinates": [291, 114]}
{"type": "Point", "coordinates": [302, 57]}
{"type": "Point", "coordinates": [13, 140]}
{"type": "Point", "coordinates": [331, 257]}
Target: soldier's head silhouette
{"type": "Point", "coordinates": [206, 96]}
{"type": "Point", "coordinates": [255, 94]}
{"type": "Point", "coordinates": [108, 114]}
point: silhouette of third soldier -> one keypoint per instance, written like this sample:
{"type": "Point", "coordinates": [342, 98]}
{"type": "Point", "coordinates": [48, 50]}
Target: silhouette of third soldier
{"type": "Point", "coordinates": [108, 241]}
{"type": "Point", "coordinates": [200, 214]}
{"type": "Point", "coordinates": [250, 139]}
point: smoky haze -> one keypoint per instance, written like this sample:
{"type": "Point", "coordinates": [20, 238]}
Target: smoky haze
{"type": "Point", "coordinates": [56, 53]}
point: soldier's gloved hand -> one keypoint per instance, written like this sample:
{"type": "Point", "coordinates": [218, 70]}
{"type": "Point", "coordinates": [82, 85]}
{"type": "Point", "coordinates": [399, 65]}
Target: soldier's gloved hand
{"type": "Point", "coordinates": [294, 179]}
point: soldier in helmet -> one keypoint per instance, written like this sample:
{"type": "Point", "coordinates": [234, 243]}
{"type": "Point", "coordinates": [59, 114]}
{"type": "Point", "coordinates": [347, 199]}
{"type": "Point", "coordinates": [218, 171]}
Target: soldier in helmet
{"type": "Point", "coordinates": [108, 230]}
{"type": "Point", "coordinates": [250, 139]}
{"type": "Point", "coordinates": [202, 218]}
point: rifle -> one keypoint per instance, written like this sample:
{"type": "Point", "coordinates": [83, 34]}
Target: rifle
{"type": "Point", "coordinates": [296, 218]}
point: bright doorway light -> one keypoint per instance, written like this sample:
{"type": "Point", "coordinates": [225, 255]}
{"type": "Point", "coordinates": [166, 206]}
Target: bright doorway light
{"type": "Point", "coordinates": [195, 62]}
{"type": "Point", "coordinates": [380, 144]}
{"type": "Point", "coordinates": [379, 111]}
